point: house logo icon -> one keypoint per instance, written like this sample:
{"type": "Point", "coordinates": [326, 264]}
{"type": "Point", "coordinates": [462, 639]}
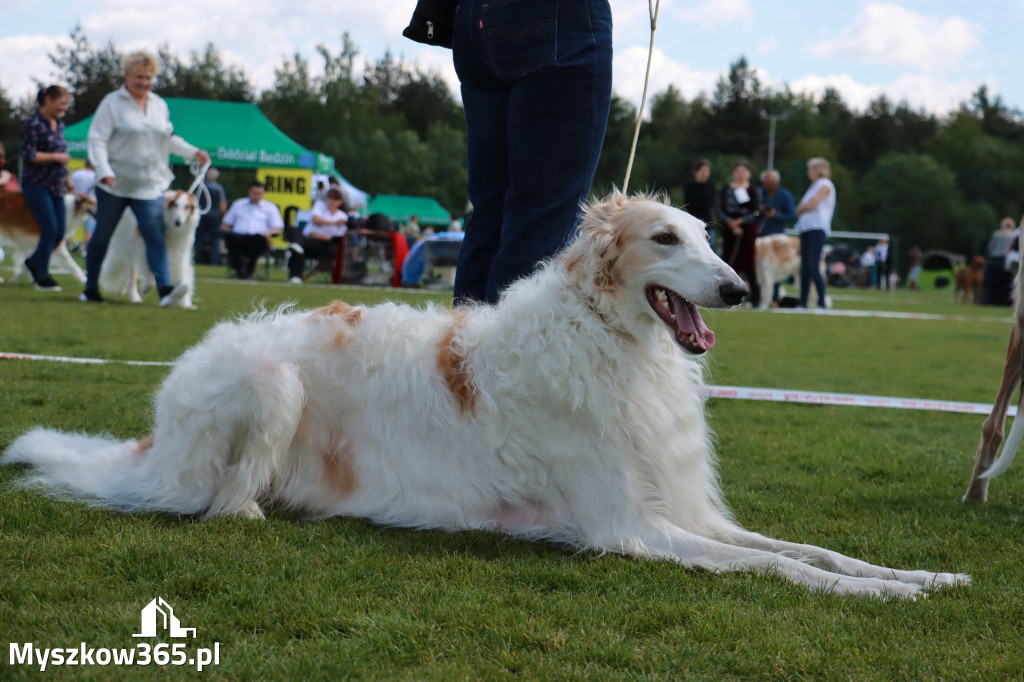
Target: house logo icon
{"type": "Point", "coordinates": [157, 613]}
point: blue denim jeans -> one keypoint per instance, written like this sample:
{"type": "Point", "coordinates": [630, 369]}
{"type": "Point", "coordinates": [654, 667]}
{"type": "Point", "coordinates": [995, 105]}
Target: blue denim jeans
{"type": "Point", "coordinates": [536, 89]}
{"type": "Point", "coordinates": [812, 243]}
{"type": "Point", "coordinates": [49, 213]}
{"type": "Point", "coordinates": [150, 215]}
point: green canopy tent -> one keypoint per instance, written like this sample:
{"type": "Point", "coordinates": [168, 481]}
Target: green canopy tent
{"type": "Point", "coordinates": [400, 208]}
{"type": "Point", "coordinates": [236, 135]}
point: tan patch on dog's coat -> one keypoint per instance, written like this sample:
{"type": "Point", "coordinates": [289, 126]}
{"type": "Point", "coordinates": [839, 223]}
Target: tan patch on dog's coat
{"type": "Point", "coordinates": [339, 473]}
{"type": "Point", "coordinates": [352, 317]}
{"type": "Point", "coordinates": [143, 446]}
{"type": "Point", "coordinates": [451, 362]}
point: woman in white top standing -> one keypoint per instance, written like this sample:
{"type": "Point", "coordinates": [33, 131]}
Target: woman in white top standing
{"type": "Point", "coordinates": [814, 223]}
{"type": "Point", "coordinates": [130, 142]}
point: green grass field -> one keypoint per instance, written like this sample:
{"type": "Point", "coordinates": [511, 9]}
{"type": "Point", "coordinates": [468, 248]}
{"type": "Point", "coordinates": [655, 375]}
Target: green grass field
{"type": "Point", "coordinates": [290, 599]}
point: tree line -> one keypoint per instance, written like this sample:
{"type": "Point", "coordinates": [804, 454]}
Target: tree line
{"type": "Point", "coordinates": [939, 182]}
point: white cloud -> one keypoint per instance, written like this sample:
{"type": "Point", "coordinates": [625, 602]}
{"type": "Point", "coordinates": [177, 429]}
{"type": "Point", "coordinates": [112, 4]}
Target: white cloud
{"type": "Point", "coordinates": [29, 52]}
{"type": "Point", "coordinates": [891, 34]}
{"type": "Point", "coordinates": [934, 94]}
{"type": "Point", "coordinates": [714, 14]}
{"type": "Point", "coordinates": [629, 66]}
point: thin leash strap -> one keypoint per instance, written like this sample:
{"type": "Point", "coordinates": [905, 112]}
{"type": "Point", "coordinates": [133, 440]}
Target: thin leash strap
{"type": "Point", "coordinates": [200, 184]}
{"type": "Point", "coordinates": [653, 9]}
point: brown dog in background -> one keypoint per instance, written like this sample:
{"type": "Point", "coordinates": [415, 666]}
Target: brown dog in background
{"type": "Point", "coordinates": [968, 281]}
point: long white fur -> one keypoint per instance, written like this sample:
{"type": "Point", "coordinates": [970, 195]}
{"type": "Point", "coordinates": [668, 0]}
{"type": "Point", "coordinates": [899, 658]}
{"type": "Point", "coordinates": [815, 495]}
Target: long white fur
{"type": "Point", "coordinates": [125, 265]}
{"type": "Point", "coordinates": [76, 210]}
{"type": "Point", "coordinates": [583, 422]}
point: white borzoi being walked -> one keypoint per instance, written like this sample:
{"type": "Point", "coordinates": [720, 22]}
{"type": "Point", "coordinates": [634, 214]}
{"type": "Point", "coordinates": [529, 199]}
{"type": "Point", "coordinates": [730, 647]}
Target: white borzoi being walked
{"type": "Point", "coordinates": [125, 265]}
{"type": "Point", "coordinates": [18, 227]}
{"type": "Point", "coordinates": [572, 411]}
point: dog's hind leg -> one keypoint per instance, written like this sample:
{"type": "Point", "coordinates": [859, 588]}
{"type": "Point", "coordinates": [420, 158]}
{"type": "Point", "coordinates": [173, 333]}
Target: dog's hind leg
{"type": "Point", "coordinates": [992, 428]}
{"type": "Point", "coordinates": [63, 260]}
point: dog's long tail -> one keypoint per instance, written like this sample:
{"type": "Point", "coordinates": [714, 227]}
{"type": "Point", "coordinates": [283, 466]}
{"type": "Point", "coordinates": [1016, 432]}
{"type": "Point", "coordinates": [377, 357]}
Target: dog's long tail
{"type": "Point", "coordinates": [1009, 449]}
{"type": "Point", "coordinates": [225, 419]}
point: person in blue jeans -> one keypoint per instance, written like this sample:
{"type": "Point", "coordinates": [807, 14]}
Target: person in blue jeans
{"type": "Point", "coordinates": [130, 140]}
{"type": "Point", "coordinates": [45, 179]}
{"type": "Point", "coordinates": [814, 224]}
{"type": "Point", "coordinates": [536, 89]}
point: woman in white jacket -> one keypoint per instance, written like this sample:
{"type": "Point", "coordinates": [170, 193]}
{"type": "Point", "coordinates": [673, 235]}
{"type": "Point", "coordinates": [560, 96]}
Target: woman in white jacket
{"type": "Point", "coordinates": [130, 142]}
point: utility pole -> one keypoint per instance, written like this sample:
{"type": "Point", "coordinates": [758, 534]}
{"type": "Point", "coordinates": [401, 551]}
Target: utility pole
{"type": "Point", "coordinates": [772, 118]}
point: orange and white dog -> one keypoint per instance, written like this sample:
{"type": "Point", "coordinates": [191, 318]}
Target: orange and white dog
{"type": "Point", "coordinates": [777, 258]}
{"type": "Point", "coordinates": [18, 227]}
{"type": "Point", "coordinates": [969, 280]}
{"type": "Point", "coordinates": [572, 411]}
{"type": "Point", "coordinates": [125, 265]}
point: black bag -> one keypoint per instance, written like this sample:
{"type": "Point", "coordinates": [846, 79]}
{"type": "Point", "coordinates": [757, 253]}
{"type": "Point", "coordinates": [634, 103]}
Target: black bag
{"type": "Point", "coordinates": [432, 23]}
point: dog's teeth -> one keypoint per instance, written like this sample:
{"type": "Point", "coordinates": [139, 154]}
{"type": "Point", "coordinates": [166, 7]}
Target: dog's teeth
{"type": "Point", "coordinates": [693, 338]}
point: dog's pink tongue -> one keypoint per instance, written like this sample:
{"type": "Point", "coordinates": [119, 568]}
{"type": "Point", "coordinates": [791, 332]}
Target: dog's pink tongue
{"type": "Point", "coordinates": [688, 321]}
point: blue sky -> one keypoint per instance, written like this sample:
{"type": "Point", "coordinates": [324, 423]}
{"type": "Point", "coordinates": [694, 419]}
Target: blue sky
{"type": "Point", "coordinates": [931, 53]}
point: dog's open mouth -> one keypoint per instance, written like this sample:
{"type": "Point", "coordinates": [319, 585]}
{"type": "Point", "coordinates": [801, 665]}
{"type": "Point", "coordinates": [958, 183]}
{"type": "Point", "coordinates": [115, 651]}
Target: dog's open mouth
{"type": "Point", "coordinates": [682, 318]}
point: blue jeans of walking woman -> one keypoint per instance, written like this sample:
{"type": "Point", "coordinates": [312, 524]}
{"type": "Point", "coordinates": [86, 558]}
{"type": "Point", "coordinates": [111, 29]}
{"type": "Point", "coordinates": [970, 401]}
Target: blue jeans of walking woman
{"type": "Point", "coordinates": [49, 213]}
{"type": "Point", "coordinates": [812, 243]}
{"type": "Point", "coordinates": [149, 213]}
{"type": "Point", "coordinates": [536, 90]}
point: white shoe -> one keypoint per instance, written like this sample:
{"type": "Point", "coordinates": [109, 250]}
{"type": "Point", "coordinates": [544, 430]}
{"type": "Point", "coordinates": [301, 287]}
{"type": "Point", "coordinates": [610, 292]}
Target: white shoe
{"type": "Point", "coordinates": [296, 247]}
{"type": "Point", "coordinates": [295, 280]}
{"type": "Point", "coordinates": [179, 292]}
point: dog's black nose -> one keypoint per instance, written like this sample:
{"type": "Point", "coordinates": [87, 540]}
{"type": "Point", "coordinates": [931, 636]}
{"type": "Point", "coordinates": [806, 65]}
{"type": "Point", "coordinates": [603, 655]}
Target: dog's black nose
{"type": "Point", "coordinates": [733, 293]}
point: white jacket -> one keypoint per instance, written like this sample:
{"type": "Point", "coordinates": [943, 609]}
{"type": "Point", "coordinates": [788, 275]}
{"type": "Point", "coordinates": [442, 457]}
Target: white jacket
{"type": "Point", "coordinates": [134, 146]}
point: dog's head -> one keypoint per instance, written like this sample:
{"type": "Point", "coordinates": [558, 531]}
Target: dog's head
{"type": "Point", "coordinates": [643, 263]}
{"type": "Point", "coordinates": [181, 210]}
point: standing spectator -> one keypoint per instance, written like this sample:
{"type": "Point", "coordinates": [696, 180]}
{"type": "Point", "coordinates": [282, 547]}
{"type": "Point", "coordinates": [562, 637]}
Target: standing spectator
{"type": "Point", "coordinates": [320, 237]}
{"type": "Point", "coordinates": [737, 208]}
{"type": "Point", "coordinates": [412, 230]}
{"type": "Point", "coordinates": [778, 209]}
{"type": "Point", "coordinates": [814, 223]}
{"type": "Point", "coordinates": [536, 89]}
{"type": "Point", "coordinates": [130, 142]}
{"type": "Point", "coordinates": [882, 261]}
{"type": "Point", "coordinates": [916, 266]}
{"type": "Point", "coordinates": [84, 181]}
{"type": "Point", "coordinates": [870, 264]}
{"type": "Point", "coordinates": [208, 233]}
{"type": "Point", "coordinates": [455, 225]}
{"type": "Point", "coordinates": [997, 281]}
{"type": "Point", "coordinates": [248, 226]}
{"type": "Point", "coordinates": [699, 193]}
{"type": "Point", "coordinates": [44, 152]}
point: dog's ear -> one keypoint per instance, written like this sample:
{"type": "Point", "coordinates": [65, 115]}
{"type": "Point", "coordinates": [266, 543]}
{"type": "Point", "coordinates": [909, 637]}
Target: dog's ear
{"type": "Point", "coordinates": [589, 259]}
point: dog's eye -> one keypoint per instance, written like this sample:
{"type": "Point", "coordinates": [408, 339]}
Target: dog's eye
{"type": "Point", "coordinates": [666, 239]}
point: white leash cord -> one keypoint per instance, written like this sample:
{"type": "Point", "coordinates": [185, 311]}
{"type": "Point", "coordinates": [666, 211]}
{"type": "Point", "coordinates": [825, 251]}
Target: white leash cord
{"type": "Point", "coordinates": [200, 184]}
{"type": "Point", "coordinates": [653, 9]}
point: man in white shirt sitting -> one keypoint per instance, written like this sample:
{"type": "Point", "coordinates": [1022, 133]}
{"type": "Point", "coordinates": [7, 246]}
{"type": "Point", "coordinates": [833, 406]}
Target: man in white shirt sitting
{"type": "Point", "coordinates": [320, 237]}
{"type": "Point", "coordinates": [248, 226]}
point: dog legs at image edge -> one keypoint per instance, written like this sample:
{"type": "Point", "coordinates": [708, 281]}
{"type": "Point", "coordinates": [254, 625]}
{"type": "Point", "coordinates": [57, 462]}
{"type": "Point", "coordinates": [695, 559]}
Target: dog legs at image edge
{"type": "Point", "coordinates": [992, 428]}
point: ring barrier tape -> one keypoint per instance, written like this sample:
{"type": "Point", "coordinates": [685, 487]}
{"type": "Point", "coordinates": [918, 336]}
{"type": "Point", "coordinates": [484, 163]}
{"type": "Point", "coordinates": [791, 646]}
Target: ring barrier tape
{"type": "Point", "coordinates": [726, 392]}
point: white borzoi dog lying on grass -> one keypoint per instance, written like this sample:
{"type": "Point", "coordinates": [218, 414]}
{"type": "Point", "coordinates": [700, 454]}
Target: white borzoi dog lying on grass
{"type": "Point", "coordinates": [18, 227]}
{"type": "Point", "coordinates": [572, 411]}
{"type": "Point", "coordinates": [125, 265]}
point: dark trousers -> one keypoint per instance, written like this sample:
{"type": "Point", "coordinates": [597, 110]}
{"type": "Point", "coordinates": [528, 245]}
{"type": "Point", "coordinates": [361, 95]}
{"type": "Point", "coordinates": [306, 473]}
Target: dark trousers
{"type": "Point", "coordinates": [313, 248]}
{"type": "Point", "coordinates": [812, 243]}
{"type": "Point", "coordinates": [49, 214]}
{"type": "Point", "coordinates": [536, 90]}
{"type": "Point", "coordinates": [208, 239]}
{"type": "Point", "coordinates": [244, 251]}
